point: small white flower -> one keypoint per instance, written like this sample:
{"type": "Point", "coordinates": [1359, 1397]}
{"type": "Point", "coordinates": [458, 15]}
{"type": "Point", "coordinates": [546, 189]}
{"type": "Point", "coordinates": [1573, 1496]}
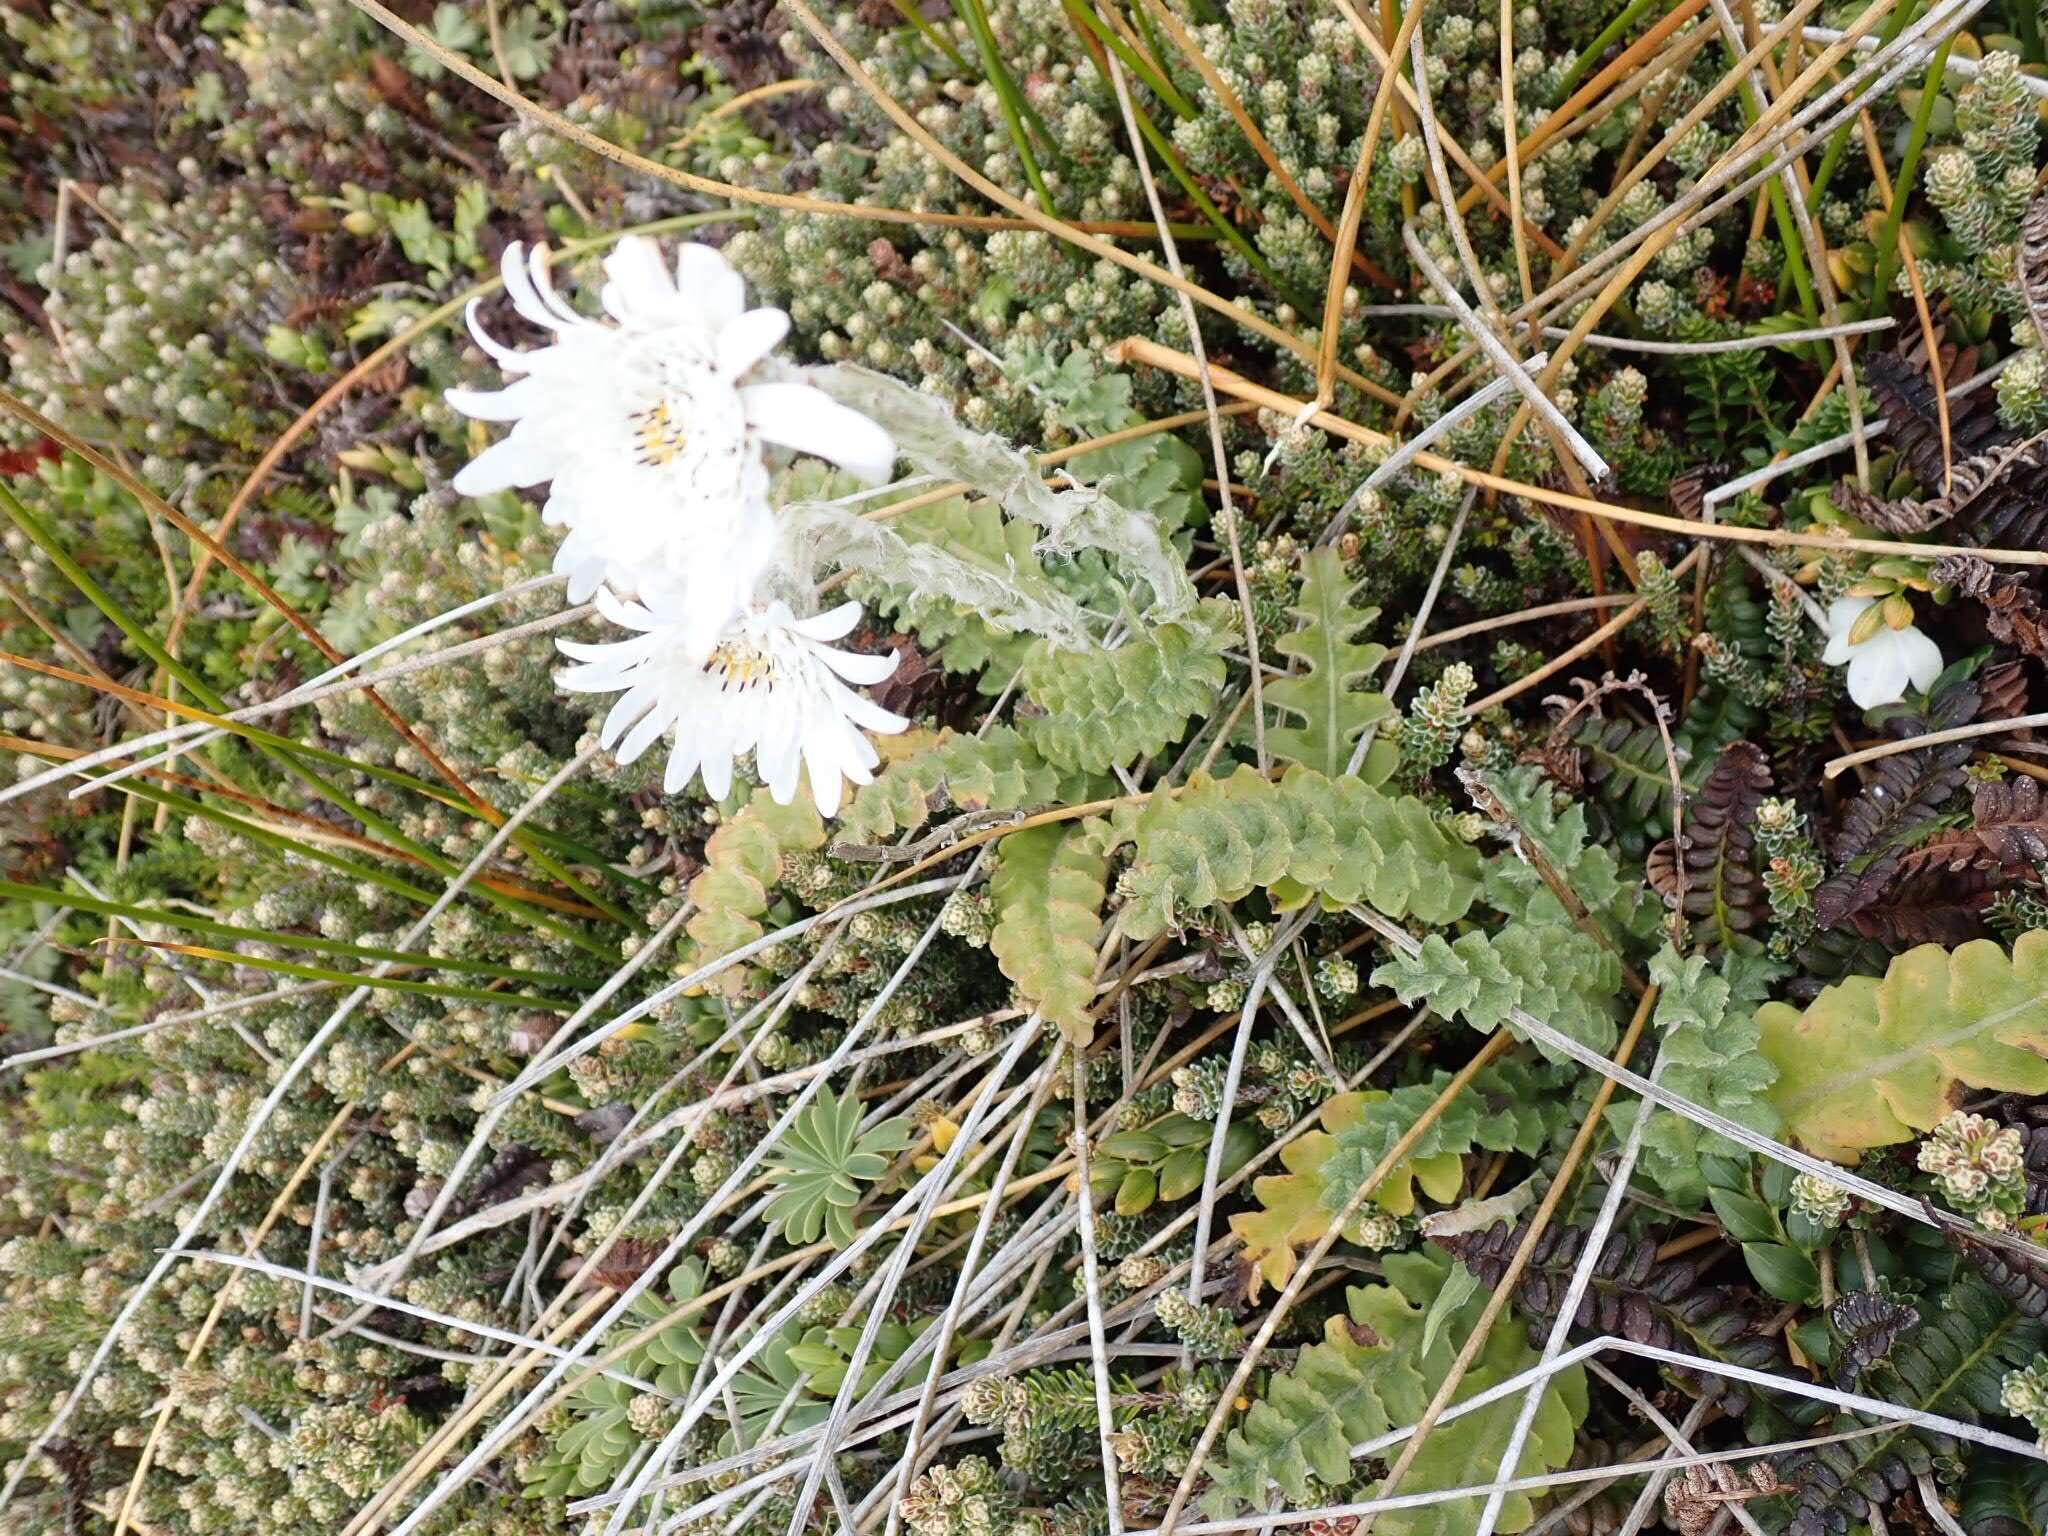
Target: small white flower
{"type": "Point", "coordinates": [653, 427]}
{"type": "Point", "coordinates": [1882, 665]}
{"type": "Point", "coordinates": [770, 685]}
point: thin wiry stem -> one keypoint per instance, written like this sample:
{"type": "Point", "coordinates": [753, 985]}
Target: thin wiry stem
{"type": "Point", "coordinates": [1568, 1309]}
{"type": "Point", "coordinates": [202, 1213]}
{"type": "Point", "coordinates": [312, 1280]}
{"type": "Point", "coordinates": [1228, 511]}
{"type": "Point", "coordinates": [892, 1276]}
{"type": "Point", "coordinates": [1091, 1289]}
{"type": "Point", "coordinates": [495, 1439]}
{"type": "Point", "coordinates": [1502, 359]}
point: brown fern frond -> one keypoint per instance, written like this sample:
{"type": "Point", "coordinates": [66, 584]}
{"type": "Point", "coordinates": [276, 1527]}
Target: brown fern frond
{"type": "Point", "coordinates": [1905, 394]}
{"type": "Point", "coordinates": [2012, 821]}
{"type": "Point", "coordinates": [2033, 262]}
{"type": "Point", "coordinates": [1998, 497]}
{"type": "Point", "coordinates": [1900, 793]}
{"type": "Point", "coordinates": [1664, 1304]}
{"type": "Point", "coordinates": [1722, 885]}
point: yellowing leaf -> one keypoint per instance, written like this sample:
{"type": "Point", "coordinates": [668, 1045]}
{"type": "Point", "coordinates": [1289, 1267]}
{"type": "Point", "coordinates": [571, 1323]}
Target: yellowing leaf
{"type": "Point", "coordinates": [1298, 1206]}
{"type": "Point", "coordinates": [1874, 1062]}
{"type": "Point", "coordinates": [1047, 889]}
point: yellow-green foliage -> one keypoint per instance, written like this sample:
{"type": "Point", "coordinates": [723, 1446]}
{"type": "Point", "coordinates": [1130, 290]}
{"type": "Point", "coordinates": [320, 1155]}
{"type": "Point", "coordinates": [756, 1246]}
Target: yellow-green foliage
{"type": "Point", "coordinates": [1305, 835]}
{"type": "Point", "coordinates": [1292, 1210]}
{"type": "Point", "coordinates": [1323, 697]}
{"type": "Point", "coordinates": [743, 863]}
{"type": "Point", "coordinates": [1549, 969]}
{"type": "Point", "coordinates": [997, 770]}
{"type": "Point", "coordinates": [1511, 1106]}
{"type": "Point", "coordinates": [1111, 707]}
{"type": "Point", "coordinates": [1376, 1368]}
{"type": "Point", "coordinates": [1873, 1062]}
{"type": "Point", "coordinates": [1047, 889]}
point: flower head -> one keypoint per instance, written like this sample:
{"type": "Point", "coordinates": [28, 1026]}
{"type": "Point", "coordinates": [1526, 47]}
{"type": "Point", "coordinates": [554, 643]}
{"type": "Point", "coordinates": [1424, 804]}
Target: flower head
{"type": "Point", "coordinates": [768, 683]}
{"type": "Point", "coordinates": [652, 426]}
{"type": "Point", "coordinates": [1882, 658]}
{"type": "Point", "coordinates": [1979, 1166]}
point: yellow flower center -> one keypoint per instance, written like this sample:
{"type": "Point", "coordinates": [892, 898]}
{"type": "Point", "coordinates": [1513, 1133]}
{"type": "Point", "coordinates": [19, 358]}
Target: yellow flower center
{"type": "Point", "coordinates": [739, 667]}
{"type": "Point", "coordinates": [661, 438]}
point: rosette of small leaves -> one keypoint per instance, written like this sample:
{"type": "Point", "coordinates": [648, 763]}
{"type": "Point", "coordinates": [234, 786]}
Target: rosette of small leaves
{"type": "Point", "coordinates": [1165, 1160]}
{"type": "Point", "coordinates": [965, 1499]}
{"type": "Point", "coordinates": [1979, 1167]}
{"type": "Point", "coordinates": [1821, 1201]}
{"type": "Point", "coordinates": [822, 1162]}
{"type": "Point", "coordinates": [2024, 1393]}
{"type": "Point", "coordinates": [1210, 1332]}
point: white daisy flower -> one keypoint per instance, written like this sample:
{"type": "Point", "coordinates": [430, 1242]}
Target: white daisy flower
{"type": "Point", "coordinates": [652, 427]}
{"type": "Point", "coordinates": [1883, 660]}
{"type": "Point", "coordinates": [770, 684]}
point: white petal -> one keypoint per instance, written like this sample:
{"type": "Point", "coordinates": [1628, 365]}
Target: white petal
{"type": "Point", "coordinates": [625, 614]}
{"type": "Point", "coordinates": [509, 404]}
{"type": "Point", "coordinates": [639, 289]}
{"type": "Point", "coordinates": [1877, 675]}
{"type": "Point", "coordinates": [862, 710]}
{"type": "Point", "coordinates": [603, 676]}
{"type": "Point", "coordinates": [585, 576]}
{"type": "Point", "coordinates": [705, 277]}
{"type": "Point", "coordinates": [519, 287]}
{"type": "Point", "coordinates": [856, 668]}
{"type": "Point", "coordinates": [822, 765]}
{"type": "Point", "coordinates": [682, 765]}
{"type": "Point", "coordinates": [779, 759]}
{"type": "Point", "coordinates": [716, 767]}
{"type": "Point", "coordinates": [1920, 656]}
{"type": "Point", "coordinates": [832, 624]}
{"type": "Point", "coordinates": [1843, 613]}
{"type": "Point", "coordinates": [806, 419]}
{"type": "Point", "coordinates": [750, 338]}
{"type": "Point", "coordinates": [514, 460]}
{"type": "Point", "coordinates": [538, 267]}
{"type": "Point", "coordinates": [625, 709]}
{"type": "Point", "coordinates": [509, 358]}
{"type": "Point", "coordinates": [643, 735]}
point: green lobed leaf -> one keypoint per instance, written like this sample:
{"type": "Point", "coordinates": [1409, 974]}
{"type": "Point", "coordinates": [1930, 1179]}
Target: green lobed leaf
{"type": "Point", "coordinates": [1047, 891]}
{"type": "Point", "coordinates": [1550, 970]}
{"type": "Point", "coordinates": [1376, 1367]}
{"type": "Point", "coordinates": [1304, 835]}
{"type": "Point", "coordinates": [1323, 695]}
{"type": "Point", "coordinates": [1108, 708]}
{"type": "Point", "coordinates": [996, 771]}
{"type": "Point", "coordinates": [742, 866]}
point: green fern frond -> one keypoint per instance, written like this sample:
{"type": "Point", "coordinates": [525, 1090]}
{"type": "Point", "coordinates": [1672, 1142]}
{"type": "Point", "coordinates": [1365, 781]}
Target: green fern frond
{"type": "Point", "coordinates": [1377, 1366]}
{"type": "Point", "coordinates": [1047, 889]}
{"type": "Point", "coordinates": [1509, 1107]}
{"type": "Point", "coordinates": [1707, 1022]}
{"type": "Point", "coordinates": [1560, 836]}
{"type": "Point", "coordinates": [977, 532]}
{"type": "Point", "coordinates": [1551, 970]}
{"type": "Point", "coordinates": [1303, 836]}
{"type": "Point", "coordinates": [996, 771]}
{"type": "Point", "coordinates": [1324, 695]}
{"type": "Point", "coordinates": [1952, 1363]}
{"type": "Point", "coordinates": [1108, 708]}
{"type": "Point", "coordinates": [743, 862]}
